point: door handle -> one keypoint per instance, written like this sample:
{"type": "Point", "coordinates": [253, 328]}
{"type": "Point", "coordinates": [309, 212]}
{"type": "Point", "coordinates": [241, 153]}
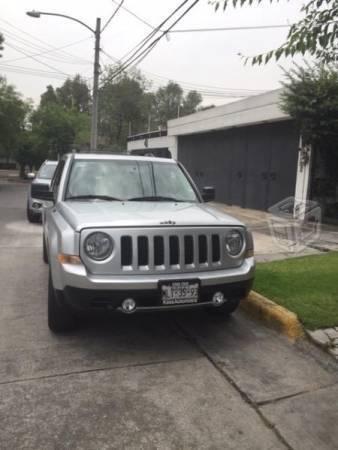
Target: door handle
{"type": "Point", "coordinates": [273, 176]}
{"type": "Point", "coordinates": [264, 175]}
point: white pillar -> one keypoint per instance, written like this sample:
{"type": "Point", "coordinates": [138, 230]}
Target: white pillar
{"type": "Point", "coordinates": [302, 190]}
{"type": "Point", "coordinates": [173, 147]}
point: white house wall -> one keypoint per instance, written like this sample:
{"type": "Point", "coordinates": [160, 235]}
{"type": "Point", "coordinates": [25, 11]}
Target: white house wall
{"type": "Point", "coordinates": [253, 110]}
{"type": "Point", "coordinates": [169, 142]}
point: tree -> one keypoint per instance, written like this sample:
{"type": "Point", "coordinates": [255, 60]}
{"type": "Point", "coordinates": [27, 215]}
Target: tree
{"type": "Point", "coordinates": [124, 106]}
{"type": "Point", "coordinates": [27, 152]}
{"type": "Point", "coordinates": [191, 102]}
{"type": "Point", "coordinates": [74, 94]}
{"type": "Point", "coordinates": [1, 42]}
{"type": "Point", "coordinates": [316, 33]}
{"type": "Point", "coordinates": [170, 103]}
{"type": "Point", "coordinates": [61, 122]}
{"type": "Point", "coordinates": [311, 97]}
{"type": "Point", "coordinates": [57, 129]}
{"type": "Point", "coordinates": [48, 97]}
{"type": "Point", "coordinates": [13, 112]}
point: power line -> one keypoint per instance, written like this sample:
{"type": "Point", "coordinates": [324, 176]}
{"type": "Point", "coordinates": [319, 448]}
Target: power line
{"type": "Point", "coordinates": [188, 86]}
{"type": "Point", "coordinates": [31, 71]}
{"type": "Point", "coordinates": [144, 53]}
{"type": "Point", "coordinates": [40, 49]}
{"type": "Point", "coordinates": [196, 30]}
{"type": "Point", "coordinates": [36, 59]}
{"type": "Point", "coordinates": [254, 27]}
{"type": "Point", "coordinates": [138, 47]}
{"type": "Point", "coordinates": [112, 16]}
{"type": "Point", "coordinates": [43, 53]}
{"type": "Point", "coordinates": [136, 16]}
{"type": "Point", "coordinates": [46, 44]}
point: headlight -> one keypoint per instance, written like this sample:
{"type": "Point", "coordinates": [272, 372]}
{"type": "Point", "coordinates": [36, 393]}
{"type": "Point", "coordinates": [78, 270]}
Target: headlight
{"type": "Point", "coordinates": [98, 246]}
{"type": "Point", "coordinates": [234, 242]}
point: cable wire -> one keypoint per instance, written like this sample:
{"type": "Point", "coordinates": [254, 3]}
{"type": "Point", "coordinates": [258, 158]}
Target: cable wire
{"type": "Point", "coordinates": [36, 59]}
{"type": "Point", "coordinates": [205, 90]}
{"type": "Point", "coordinates": [138, 47]}
{"type": "Point", "coordinates": [141, 56]}
{"type": "Point", "coordinates": [46, 44]}
{"type": "Point", "coordinates": [43, 53]}
{"type": "Point", "coordinates": [112, 16]}
{"type": "Point", "coordinates": [197, 30]}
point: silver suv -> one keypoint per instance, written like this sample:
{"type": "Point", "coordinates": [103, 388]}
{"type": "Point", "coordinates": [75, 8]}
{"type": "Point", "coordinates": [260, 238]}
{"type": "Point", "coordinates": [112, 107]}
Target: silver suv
{"type": "Point", "coordinates": [134, 234]}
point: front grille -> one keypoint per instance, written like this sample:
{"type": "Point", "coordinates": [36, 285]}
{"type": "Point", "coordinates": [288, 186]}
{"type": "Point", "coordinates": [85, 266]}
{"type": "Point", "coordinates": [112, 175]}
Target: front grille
{"type": "Point", "coordinates": [172, 251]}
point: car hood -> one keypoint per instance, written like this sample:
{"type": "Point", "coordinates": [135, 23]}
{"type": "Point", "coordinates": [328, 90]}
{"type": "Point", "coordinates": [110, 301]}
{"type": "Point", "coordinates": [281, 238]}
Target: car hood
{"type": "Point", "coordinates": [102, 214]}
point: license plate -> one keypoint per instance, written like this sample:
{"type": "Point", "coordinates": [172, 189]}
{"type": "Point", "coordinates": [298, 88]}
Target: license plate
{"type": "Point", "coordinates": [179, 292]}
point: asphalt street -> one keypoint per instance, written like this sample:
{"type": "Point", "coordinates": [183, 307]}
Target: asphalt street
{"type": "Point", "coordinates": [159, 381]}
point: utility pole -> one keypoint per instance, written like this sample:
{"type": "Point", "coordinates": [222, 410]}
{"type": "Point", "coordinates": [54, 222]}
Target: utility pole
{"type": "Point", "coordinates": [97, 34]}
{"type": "Point", "coordinates": [93, 134]}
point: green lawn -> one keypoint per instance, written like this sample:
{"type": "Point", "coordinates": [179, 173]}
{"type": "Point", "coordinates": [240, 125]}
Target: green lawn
{"type": "Point", "coordinates": [307, 286]}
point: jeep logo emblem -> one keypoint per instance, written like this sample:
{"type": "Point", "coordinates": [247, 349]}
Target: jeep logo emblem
{"type": "Point", "coordinates": [168, 222]}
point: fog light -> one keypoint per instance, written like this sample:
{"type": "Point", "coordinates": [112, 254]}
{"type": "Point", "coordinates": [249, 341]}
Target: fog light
{"type": "Point", "coordinates": [128, 305]}
{"type": "Point", "coordinates": [218, 298]}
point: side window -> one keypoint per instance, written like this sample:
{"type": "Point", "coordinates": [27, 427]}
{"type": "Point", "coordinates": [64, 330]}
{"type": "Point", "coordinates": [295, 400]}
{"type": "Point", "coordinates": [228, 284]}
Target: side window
{"type": "Point", "coordinates": [57, 178]}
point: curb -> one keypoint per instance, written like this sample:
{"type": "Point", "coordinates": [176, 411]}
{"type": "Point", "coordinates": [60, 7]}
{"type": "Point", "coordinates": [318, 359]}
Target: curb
{"type": "Point", "coordinates": [273, 315]}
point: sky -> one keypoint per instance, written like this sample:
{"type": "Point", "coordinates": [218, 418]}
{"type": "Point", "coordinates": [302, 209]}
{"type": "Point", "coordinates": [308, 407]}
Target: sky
{"type": "Point", "coordinates": [208, 60]}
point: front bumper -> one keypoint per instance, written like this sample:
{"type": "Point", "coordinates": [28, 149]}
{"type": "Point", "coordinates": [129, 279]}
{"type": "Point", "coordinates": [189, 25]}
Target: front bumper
{"type": "Point", "coordinates": [83, 291]}
{"type": "Point", "coordinates": [148, 300]}
{"type": "Point", "coordinates": [78, 277]}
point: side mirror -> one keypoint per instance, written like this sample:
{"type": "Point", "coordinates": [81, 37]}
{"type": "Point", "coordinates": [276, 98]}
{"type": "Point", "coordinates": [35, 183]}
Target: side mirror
{"type": "Point", "coordinates": [44, 196]}
{"type": "Point", "coordinates": [48, 196]}
{"type": "Point", "coordinates": [208, 193]}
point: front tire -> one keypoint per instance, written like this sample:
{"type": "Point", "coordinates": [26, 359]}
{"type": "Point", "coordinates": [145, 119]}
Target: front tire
{"type": "Point", "coordinates": [60, 318]}
{"type": "Point", "coordinates": [31, 217]}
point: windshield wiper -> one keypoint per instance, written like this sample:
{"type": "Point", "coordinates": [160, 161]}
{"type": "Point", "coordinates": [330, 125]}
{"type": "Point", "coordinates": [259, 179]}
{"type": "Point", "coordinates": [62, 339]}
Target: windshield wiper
{"type": "Point", "coordinates": [154, 198]}
{"type": "Point", "coordinates": [94, 197]}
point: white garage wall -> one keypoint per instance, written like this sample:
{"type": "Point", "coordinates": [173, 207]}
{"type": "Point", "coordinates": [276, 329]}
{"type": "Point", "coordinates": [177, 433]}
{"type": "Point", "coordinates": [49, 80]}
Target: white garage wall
{"type": "Point", "coordinates": [169, 142]}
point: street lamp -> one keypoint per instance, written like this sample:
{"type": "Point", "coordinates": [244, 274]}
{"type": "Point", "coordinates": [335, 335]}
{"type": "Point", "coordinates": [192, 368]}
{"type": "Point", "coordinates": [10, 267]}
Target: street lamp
{"type": "Point", "coordinates": [97, 34]}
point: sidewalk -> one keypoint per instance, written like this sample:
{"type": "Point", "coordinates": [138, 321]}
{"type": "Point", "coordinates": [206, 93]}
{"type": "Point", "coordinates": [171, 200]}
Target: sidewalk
{"type": "Point", "coordinates": [266, 247]}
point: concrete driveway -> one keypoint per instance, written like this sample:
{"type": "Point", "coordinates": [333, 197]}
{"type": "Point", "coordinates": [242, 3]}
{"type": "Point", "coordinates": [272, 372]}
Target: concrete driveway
{"type": "Point", "coordinates": [268, 248]}
{"type": "Point", "coordinates": [171, 381]}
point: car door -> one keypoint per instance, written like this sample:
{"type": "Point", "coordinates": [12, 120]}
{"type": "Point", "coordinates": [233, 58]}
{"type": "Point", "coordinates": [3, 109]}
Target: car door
{"type": "Point", "coordinates": [50, 208]}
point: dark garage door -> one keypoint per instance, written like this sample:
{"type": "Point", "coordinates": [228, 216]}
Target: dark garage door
{"type": "Point", "coordinates": [253, 167]}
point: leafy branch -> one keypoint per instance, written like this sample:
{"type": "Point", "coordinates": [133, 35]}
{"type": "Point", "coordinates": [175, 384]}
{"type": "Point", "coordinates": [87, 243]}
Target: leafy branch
{"type": "Point", "coordinates": [316, 33]}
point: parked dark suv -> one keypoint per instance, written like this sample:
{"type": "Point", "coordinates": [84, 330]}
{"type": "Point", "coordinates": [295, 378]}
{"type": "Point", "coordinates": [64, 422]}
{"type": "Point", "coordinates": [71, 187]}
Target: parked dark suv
{"type": "Point", "coordinates": [38, 190]}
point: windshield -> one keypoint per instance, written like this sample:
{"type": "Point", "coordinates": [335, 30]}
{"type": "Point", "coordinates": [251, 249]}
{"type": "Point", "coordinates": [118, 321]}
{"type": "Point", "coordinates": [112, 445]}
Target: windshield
{"type": "Point", "coordinates": [128, 180]}
{"type": "Point", "coordinates": [47, 171]}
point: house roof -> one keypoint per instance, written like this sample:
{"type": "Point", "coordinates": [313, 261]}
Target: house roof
{"type": "Point", "coordinates": [253, 110]}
